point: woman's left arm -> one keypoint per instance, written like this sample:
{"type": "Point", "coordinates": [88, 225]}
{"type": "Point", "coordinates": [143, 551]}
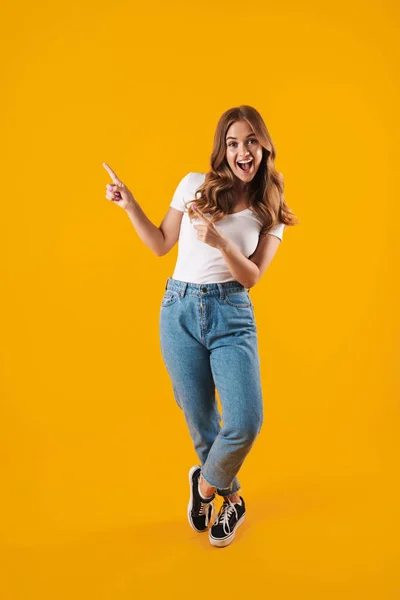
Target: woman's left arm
{"type": "Point", "coordinates": [246, 271]}
{"type": "Point", "coordinates": [250, 270]}
{"type": "Point", "coordinates": [264, 253]}
{"type": "Point", "coordinates": [243, 269]}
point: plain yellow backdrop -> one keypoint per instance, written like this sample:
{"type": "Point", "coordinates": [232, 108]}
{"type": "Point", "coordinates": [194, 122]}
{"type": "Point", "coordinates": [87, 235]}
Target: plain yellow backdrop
{"type": "Point", "coordinates": [94, 450]}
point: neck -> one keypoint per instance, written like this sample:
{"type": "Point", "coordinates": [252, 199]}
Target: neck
{"type": "Point", "coordinates": [241, 190]}
{"type": "Point", "coordinates": [241, 187]}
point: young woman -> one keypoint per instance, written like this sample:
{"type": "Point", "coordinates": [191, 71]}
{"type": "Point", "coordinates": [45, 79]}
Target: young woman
{"type": "Point", "coordinates": [229, 223]}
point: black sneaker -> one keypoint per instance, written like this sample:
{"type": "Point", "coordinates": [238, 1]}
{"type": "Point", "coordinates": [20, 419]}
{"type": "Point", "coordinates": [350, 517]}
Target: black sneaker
{"type": "Point", "coordinates": [231, 515]}
{"type": "Point", "coordinates": [200, 511]}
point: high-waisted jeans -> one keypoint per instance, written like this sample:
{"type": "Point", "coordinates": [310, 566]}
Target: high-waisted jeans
{"type": "Point", "coordinates": [209, 342]}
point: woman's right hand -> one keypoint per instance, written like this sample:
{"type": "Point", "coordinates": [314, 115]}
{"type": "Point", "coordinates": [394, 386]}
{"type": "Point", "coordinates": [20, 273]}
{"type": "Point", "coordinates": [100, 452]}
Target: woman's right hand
{"type": "Point", "coordinates": [117, 191]}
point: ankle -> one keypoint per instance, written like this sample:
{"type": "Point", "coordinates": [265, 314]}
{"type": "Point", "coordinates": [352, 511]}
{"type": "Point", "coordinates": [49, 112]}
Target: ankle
{"type": "Point", "coordinates": [234, 497]}
{"type": "Point", "coordinates": [206, 490]}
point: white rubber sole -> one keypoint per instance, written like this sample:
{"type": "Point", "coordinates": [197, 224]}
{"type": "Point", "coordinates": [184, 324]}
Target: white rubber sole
{"type": "Point", "coordinates": [225, 541]}
{"type": "Point", "coordinates": [190, 504]}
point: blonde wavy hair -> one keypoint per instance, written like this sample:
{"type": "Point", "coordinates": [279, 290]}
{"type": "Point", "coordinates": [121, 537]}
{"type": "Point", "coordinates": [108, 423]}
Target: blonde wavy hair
{"type": "Point", "coordinates": [266, 199]}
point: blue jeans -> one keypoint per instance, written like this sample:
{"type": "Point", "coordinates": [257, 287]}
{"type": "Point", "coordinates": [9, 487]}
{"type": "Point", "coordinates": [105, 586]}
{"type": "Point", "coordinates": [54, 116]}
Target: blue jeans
{"type": "Point", "coordinates": [208, 339]}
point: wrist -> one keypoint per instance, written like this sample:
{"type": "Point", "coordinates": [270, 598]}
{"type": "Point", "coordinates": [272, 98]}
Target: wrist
{"type": "Point", "coordinates": [131, 206]}
{"type": "Point", "coordinates": [223, 245]}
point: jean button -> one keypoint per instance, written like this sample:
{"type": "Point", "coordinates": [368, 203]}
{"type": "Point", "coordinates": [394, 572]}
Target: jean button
{"type": "Point", "coordinates": [203, 289]}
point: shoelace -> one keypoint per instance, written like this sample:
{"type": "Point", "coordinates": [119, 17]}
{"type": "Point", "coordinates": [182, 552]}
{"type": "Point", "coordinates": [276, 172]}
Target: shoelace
{"type": "Point", "coordinates": [203, 510]}
{"type": "Point", "coordinates": [227, 509]}
{"type": "Point", "coordinates": [204, 506]}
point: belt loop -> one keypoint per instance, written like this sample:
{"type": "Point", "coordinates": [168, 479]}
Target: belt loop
{"type": "Point", "coordinates": [183, 290]}
{"type": "Point", "coordinates": [221, 290]}
{"type": "Point", "coordinates": [166, 284]}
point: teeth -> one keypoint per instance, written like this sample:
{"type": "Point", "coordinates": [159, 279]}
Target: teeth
{"type": "Point", "coordinates": [243, 162]}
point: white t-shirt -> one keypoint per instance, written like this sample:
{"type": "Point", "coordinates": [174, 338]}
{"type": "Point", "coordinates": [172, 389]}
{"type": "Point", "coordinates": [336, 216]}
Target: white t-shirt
{"type": "Point", "coordinates": [199, 262]}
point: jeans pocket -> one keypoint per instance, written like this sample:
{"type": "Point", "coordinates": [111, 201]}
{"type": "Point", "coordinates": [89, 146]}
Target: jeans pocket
{"type": "Point", "coordinates": [169, 298]}
{"type": "Point", "coordinates": [239, 299]}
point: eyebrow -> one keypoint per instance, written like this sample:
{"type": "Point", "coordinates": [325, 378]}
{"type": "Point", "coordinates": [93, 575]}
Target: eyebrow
{"type": "Point", "coordinates": [233, 138]}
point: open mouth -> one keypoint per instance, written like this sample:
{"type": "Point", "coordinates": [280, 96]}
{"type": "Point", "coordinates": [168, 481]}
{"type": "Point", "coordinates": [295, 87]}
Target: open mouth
{"type": "Point", "coordinates": [246, 167]}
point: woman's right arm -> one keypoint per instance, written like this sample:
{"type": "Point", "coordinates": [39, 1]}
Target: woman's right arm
{"type": "Point", "coordinates": [159, 239]}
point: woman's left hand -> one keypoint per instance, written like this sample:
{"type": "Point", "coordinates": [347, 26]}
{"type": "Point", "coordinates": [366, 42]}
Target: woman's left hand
{"type": "Point", "coordinates": [209, 233]}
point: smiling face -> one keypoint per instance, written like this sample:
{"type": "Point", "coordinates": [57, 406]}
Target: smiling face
{"type": "Point", "coordinates": [242, 145]}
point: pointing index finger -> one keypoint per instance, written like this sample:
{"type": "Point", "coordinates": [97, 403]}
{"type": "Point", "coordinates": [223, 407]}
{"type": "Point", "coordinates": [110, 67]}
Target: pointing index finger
{"type": "Point", "coordinates": [200, 214]}
{"type": "Point", "coordinates": [111, 173]}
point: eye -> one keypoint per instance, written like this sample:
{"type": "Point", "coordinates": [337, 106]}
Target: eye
{"type": "Point", "coordinates": [251, 140]}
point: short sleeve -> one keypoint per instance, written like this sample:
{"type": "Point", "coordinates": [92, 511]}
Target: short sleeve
{"type": "Point", "coordinates": [277, 230]}
{"type": "Point", "coordinates": [180, 194]}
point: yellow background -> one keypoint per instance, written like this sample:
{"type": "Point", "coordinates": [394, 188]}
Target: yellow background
{"type": "Point", "coordinates": [94, 451]}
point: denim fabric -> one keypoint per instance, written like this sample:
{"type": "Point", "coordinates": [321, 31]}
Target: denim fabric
{"type": "Point", "coordinates": [208, 338]}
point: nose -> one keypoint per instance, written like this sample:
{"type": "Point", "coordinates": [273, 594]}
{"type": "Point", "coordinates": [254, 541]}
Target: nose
{"type": "Point", "coordinates": [243, 152]}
